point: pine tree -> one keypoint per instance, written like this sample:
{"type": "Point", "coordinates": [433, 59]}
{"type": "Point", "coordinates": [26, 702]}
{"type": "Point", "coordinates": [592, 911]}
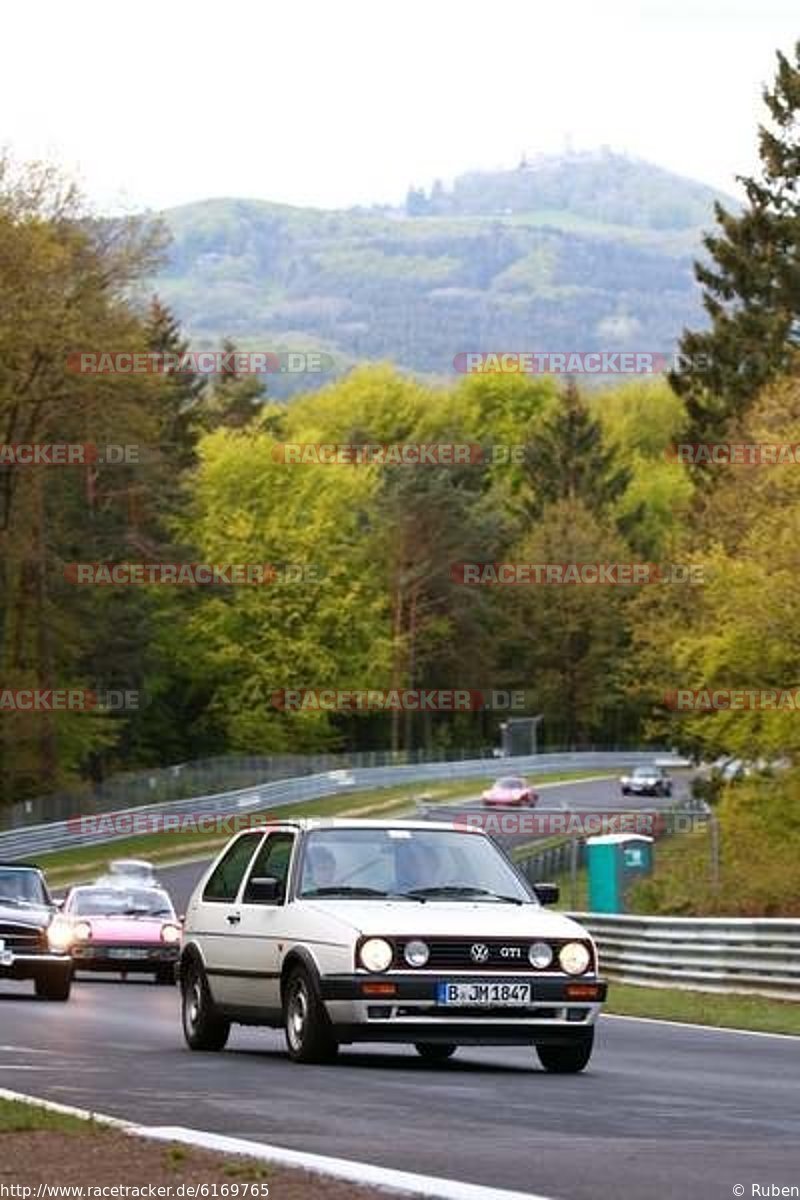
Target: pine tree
{"type": "Point", "coordinates": [752, 281]}
{"type": "Point", "coordinates": [569, 461]}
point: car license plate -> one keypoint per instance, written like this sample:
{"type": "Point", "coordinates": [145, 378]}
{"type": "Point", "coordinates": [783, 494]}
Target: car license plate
{"type": "Point", "coordinates": [492, 995]}
{"type": "Point", "coordinates": [122, 952]}
{"type": "Point", "coordinates": [6, 956]}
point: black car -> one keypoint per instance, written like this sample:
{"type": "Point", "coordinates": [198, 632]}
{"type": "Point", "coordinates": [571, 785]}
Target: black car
{"type": "Point", "coordinates": [34, 937]}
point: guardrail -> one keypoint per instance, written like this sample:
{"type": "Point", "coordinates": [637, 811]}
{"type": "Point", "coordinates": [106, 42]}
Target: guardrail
{"type": "Point", "coordinates": [759, 957]}
{"type": "Point", "coordinates": [58, 835]}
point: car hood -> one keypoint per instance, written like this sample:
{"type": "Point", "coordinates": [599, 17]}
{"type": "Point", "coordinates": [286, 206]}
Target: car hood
{"type": "Point", "coordinates": [126, 929]}
{"type": "Point", "coordinates": [35, 917]}
{"type": "Point", "coordinates": [437, 918]}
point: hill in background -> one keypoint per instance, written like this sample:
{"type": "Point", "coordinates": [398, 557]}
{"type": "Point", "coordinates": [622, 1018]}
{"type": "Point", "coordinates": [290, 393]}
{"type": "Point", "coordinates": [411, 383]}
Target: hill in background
{"type": "Point", "coordinates": [585, 252]}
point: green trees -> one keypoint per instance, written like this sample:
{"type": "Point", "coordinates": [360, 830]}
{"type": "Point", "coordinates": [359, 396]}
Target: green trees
{"type": "Point", "coordinates": [751, 279]}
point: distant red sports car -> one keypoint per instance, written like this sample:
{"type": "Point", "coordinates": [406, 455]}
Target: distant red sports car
{"type": "Point", "coordinates": [510, 792]}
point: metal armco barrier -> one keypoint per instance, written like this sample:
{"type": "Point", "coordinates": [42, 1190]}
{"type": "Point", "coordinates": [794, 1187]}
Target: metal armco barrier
{"type": "Point", "coordinates": [31, 840]}
{"type": "Point", "coordinates": [760, 957]}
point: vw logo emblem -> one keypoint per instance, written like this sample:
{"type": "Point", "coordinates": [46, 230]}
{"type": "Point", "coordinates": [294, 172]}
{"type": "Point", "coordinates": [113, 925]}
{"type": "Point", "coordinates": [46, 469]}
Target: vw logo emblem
{"type": "Point", "coordinates": [479, 953]}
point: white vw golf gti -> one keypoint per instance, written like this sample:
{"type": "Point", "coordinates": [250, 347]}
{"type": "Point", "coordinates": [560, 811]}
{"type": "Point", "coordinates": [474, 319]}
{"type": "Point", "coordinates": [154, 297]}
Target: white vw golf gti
{"type": "Point", "coordinates": [406, 931]}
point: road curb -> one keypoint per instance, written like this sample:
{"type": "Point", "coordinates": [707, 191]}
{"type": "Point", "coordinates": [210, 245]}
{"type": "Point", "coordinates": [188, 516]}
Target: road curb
{"type": "Point", "coordinates": [364, 1174]}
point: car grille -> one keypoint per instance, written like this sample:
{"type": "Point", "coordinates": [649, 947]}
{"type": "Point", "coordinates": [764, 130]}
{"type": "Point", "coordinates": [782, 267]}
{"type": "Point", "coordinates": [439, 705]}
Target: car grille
{"type": "Point", "coordinates": [22, 939]}
{"type": "Point", "coordinates": [455, 954]}
{"type": "Point", "coordinates": [137, 953]}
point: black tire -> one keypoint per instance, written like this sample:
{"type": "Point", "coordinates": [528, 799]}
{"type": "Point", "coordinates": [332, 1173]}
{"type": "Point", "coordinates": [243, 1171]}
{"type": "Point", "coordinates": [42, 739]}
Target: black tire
{"type": "Point", "coordinates": [54, 985]}
{"type": "Point", "coordinates": [309, 1033]}
{"type": "Point", "coordinates": [567, 1060]}
{"type": "Point", "coordinates": [435, 1052]}
{"type": "Point", "coordinates": [165, 976]}
{"type": "Point", "coordinates": [203, 1026]}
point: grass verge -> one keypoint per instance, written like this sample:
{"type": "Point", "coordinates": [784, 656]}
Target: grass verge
{"type": "Point", "coordinates": [704, 1008]}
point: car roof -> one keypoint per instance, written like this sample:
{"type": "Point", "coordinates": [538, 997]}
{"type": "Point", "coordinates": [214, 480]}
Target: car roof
{"type": "Point", "coordinates": [305, 824]}
{"type": "Point", "coordinates": [22, 866]}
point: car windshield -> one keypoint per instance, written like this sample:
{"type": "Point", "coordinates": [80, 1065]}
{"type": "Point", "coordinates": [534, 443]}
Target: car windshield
{"type": "Point", "coordinates": [20, 887]}
{"type": "Point", "coordinates": [510, 781]}
{"type": "Point", "coordinates": [121, 901]}
{"type": "Point", "coordinates": [645, 772]}
{"type": "Point", "coordinates": [142, 870]}
{"type": "Point", "coordinates": [416, 863]}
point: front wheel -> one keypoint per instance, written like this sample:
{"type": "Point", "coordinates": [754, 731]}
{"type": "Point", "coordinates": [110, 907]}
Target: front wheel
{"type": "Point", "coordinates": [569, 1059]}
{"type": "Point", "coordinates": [203, 1027]}
{"type": "Point", "coordinates": [435, 1052]}
{"type": "Point", "coordinates": [309, 1033]}
{"type": "Point", "coordinates": [54, 985]}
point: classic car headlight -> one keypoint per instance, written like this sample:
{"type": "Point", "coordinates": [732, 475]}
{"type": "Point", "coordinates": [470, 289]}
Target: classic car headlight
{"type": "Point", "coordinates": [540, 955]}
{"type": "Point", "coordinates": [59, 934]}
{"type": "Point", "coordinates": [81, 931]}
{"type": "Point", "coordinates": [170, 934]}
{"type": "Point", "coordinates": [376, 954]}
{"type": "Point", "coordinates": [416, 953]}
{"type": "Point", "coordinates": [574, 958]}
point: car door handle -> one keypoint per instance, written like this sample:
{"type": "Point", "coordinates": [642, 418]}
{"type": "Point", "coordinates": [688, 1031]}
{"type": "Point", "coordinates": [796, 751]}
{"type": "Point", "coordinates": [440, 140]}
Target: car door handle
{"type": "Point", "coordinates": [234, 918]}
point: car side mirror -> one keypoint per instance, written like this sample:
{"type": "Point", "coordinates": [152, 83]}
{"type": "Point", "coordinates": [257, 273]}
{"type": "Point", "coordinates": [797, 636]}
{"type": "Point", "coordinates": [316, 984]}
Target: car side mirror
{"type": "Point", "coordinates": [547, 893]}
{"type": "Point", "coordinates": [264, 890]}
{"type": "Point", "coordinates": [59, 904]}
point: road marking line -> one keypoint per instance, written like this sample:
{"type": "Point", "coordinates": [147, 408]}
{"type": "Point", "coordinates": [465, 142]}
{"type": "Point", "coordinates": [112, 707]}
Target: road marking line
{"type": "Point", "coordinates": [607, 1016]}
{"type": "Point", "coordinates": [366, 1174]}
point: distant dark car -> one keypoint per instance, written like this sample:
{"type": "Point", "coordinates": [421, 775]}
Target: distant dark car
{"type": "Point", "coordinates": [34, 937]}
{"type": "Point", "coordinates": [646, 781]}
{"type": "Point", "coordinates": [510, 792]}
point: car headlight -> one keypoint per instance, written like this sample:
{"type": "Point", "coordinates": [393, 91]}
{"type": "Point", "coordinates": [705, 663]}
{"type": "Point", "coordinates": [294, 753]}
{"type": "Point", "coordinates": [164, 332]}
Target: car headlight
{"type": "Point", "coordinates": [59, 934]}
{"type": "Point", "coordinates": [170, 934]}
{"type": "Point", "coordinates": [376, 954]}
{"type": "Point", "coordinates": [574, 958]}
{"type": "Point", "coordinates": [81, 931]}
{"type": "Point", "coordinates": [416, 954]}
{"type": "Point", "coordinates": [540, 955]}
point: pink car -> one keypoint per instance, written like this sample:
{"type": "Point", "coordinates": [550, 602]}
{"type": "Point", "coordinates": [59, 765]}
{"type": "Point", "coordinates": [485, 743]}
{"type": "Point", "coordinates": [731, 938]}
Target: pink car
{"type": "Point", "coordinates": [510, 792]}
{"type": "Point", "coordinates": [126, 927]}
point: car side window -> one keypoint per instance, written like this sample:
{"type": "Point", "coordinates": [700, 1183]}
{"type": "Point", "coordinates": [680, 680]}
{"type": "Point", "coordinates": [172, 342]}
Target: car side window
{"type": "Point", "coordinates": [272, 861]}
{"type": "Point", "coordinates": [224, 881]}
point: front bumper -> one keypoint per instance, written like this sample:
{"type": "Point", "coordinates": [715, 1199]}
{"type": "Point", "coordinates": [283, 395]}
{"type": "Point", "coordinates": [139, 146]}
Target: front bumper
{"type": "Point", "coordinates": [31, 966]}
{"type": "Point", "coordinates": [130, 959]}
{"type": "Point", "coordinates": [412, 1013]}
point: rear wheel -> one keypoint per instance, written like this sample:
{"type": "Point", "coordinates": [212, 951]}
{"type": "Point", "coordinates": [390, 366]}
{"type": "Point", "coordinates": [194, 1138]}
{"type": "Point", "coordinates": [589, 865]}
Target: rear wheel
{"type": "Point", "coordinates": [203, 1026]}
{"type": "Point", "coordinates": [435, 1052]}
{"type": "Point", "coordinates": [567, 1060]}
{"type": "Point", "coordinates": [54, 984]}
{"type": "Point", "coordinates": [309, 1033]}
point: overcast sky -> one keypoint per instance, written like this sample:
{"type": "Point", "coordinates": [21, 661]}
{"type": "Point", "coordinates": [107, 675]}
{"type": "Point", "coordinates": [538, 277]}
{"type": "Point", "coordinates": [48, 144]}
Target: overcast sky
{"type": "Point", "coordinates": [339, 102]}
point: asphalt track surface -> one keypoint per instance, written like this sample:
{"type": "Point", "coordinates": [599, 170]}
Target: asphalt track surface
{"type": "Point", "coordinates": [662, 1111]}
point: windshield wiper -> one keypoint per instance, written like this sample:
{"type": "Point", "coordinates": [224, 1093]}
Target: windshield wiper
{"type": "Point", "coordinates": [462, 890]}
{"type": "Point", "coordinates": [346, 890]}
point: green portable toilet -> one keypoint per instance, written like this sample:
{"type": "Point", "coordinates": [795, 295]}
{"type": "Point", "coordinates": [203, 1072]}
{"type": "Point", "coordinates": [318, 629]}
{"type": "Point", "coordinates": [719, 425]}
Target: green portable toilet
{"type": "Point", "coordinates": [616, 860]}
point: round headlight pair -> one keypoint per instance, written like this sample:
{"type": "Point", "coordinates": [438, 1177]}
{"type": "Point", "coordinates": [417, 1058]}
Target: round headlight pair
{"type": "Point", "coordinates": [81, 931]}
{"type": "Point", "coordinates": [170, 934]}
{"type": "Point", "coordinates": [376, 954]}
{"type": "Point", "coordinates": [540, 955]}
